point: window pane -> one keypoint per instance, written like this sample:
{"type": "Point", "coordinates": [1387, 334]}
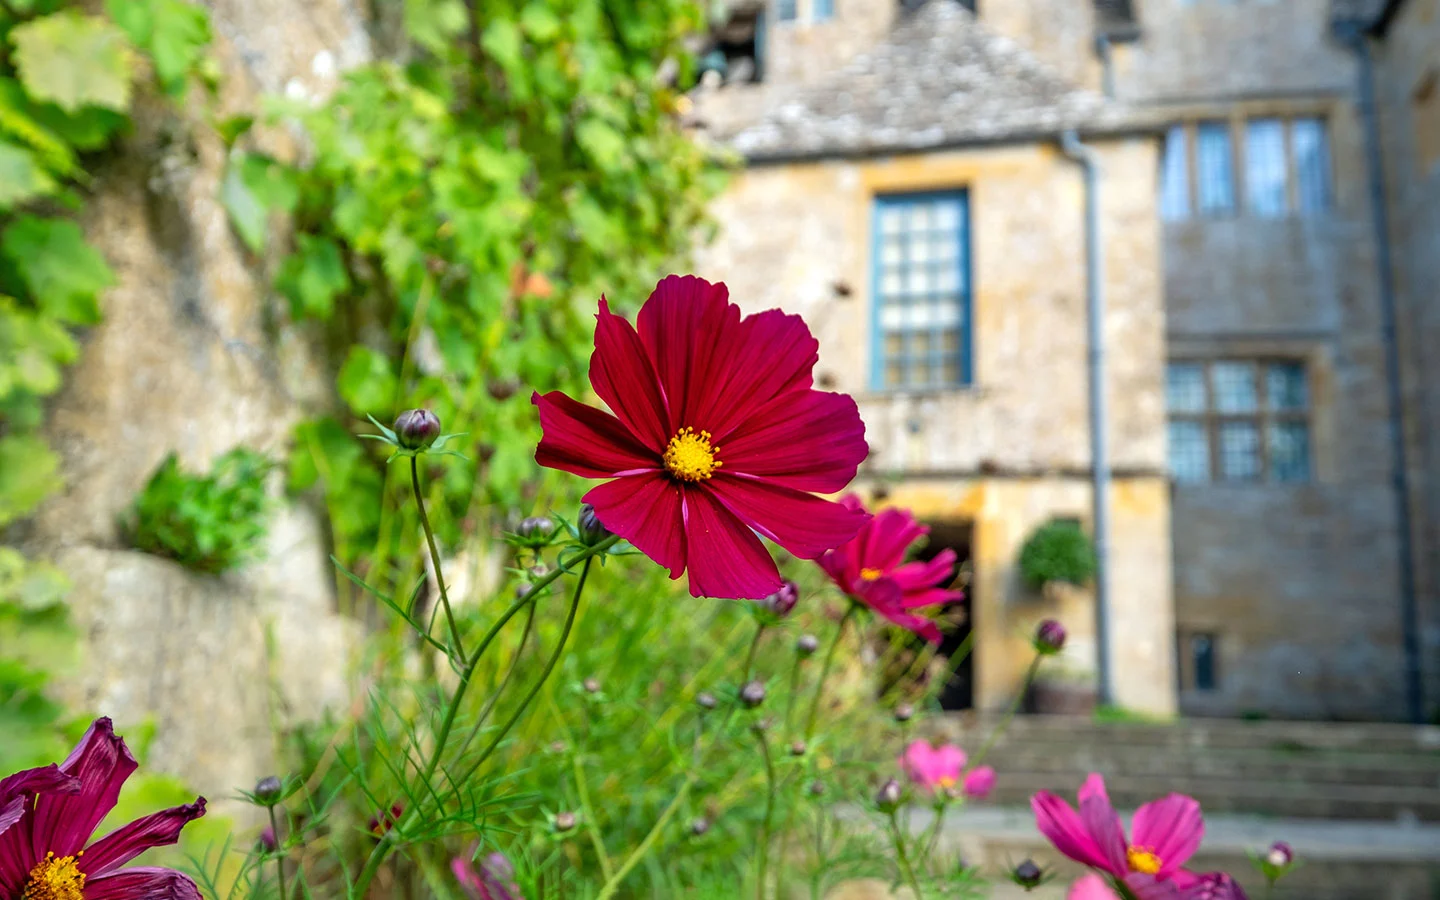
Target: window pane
{"type": "Point", "coordinates": [1285, 386]}
{"type": "Point", "coordinates": [1312, 165]}
{"type": "Point", "coordinates": [824, 9]}
{"type": "Point", "coordinates": [1202, 655]}
{"type": "Point", "coordinates": [1189, 452]}
{"type": "Point", "coordinates": [921, 291]}
{"type": "Point", "coordinates": [1175, 177]}
{"type": "Point", "coordinates": [785, 10]}
{"type": "Point", "coordinates": [1290, 451]}
{"type": "Point", "coordinates": [1239, 451]}
{"type": "Point", "coordinates": [1185, 387]}
{"type": "Point", "coordinates": [1215, 168]}
{"type": "Point", "coordinates": [1234, 384]}
{"type": "Point", "coordinates": [1265, 167]}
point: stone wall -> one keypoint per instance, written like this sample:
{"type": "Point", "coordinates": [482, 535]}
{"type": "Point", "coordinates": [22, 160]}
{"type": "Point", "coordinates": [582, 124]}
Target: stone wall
{"type": "Point", "coordinates": [798, 237]}
{"type": "Point", "coordinates": [190, 359]}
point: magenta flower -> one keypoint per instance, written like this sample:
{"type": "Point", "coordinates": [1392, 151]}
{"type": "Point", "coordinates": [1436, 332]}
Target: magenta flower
{"type": "Point", "coordinates": [979, 782]}
{"type": "Point", "coordinates": [1091, 887]}
{"type": "Point", "coordinates": [716, 436]}
{"type": "Point", "coordinates": [933, 768]}
{"type": "Point", "coordinates": [871, 569]}
{"type": "Point", "coordinates": [492, 879]}
{"type": "Point", "coordinates": [42, 848]}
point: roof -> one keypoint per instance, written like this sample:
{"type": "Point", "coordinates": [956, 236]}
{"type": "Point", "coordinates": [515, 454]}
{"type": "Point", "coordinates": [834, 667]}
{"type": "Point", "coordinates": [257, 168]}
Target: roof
{"type": "Point", "coordinates": [940, 79]}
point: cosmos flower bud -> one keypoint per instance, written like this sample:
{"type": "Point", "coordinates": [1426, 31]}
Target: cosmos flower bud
{"type": "Point", "coordinates": [588, 525]}
{"type": "Point", "coordinates": [753, 694]}
{"type": "Point", "coordinates": [904, 712]}
{"type": "Point", "coordinates": [564, 821]}
{"type": "Point", "coordinates": [268, 790]}
{"type": "Point", "coordinates": [591, 685]}
{"type": "Point", "coordinates": [699, 826]}
{"type": "Point", "coordinates": [416, 429]}
{"type": "Point", "coordinates": [266, 841]}
{"type": "Point", "coordinates": [382, 822]}
{"type": "Point", "coordinates": [1280, 855]}
{"type": "Point", "coordinates": [706, 700]}
{"type": "Point", "coordinates": [782, 602]}
{"type": "Point", "coordinates": [816, 789]}
{"type": "Point", "coordinates": [807, 644]}
{"type": "Point", "coordinates": [557, 746]}
{"type": "Point", "coordinates": [1027, 875]}
{"type": "Point", "coordinates": [523, 588]}
{"type": "Point", "coordinates": [797, 748]}
{"type": "Point", "coordinates": [887, 799]}
{"type": "Point", "coordinates": [1049, 637]}
{"type": "Point", "coordinates": [535, 531]}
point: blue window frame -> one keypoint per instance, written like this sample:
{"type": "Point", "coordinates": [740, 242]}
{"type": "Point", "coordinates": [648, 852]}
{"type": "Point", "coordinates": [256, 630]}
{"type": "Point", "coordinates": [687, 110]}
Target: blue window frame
{"type": "Point", "coordinates": [1238, 420]}
{"type": "Point", "coordinates": [1265, 169]}
{"type": "Point", "coordinates": [1175, 176]}
{"type": "Point", "coordinates": [1215, 169]}
{"type": "Point", "coordinates": [1312, 164]}
{"type": "Point", "coordinates": [822, 10]}
{"type": "Point", "coordinates": [920, 324]}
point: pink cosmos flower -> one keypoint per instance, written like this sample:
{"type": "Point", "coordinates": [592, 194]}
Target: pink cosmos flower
{"type": "Point", "coordinates": [1166, 833]}
{"type": "Point", "coordinates": [493, 878]}
{"type": "Point", "coordinates": [42, 846]}
{"type": "Point", "coordinates": [933, 768]}
{"type": "Point", "coordinates": [979, 782]}
{"type": "Point", "coordinates": [716, 436]}
{"type": "Point", "coordinates": [1091, 887]}
{"type": "Point", "coordinates": [871, 568]}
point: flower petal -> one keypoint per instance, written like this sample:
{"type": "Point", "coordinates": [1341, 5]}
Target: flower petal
{"type": "Point", "coordinates": [621, 373]}
{"type": "Point", "coordinates": [979, 782]}
{"type": "Point", "coordinates": [11, 812]}
{"type": "Point", "coordinates": [766, 355]}
{"type": "Point", "coordinates": [1210, 886]}
{"type": "Point", "coordinates": [1091, 887]}
{"type": "Point", "coordinates": [807, 440]}
{"type": "Point", "coordinates": [1106, 830]}
{"type": "Point", "coordinates": [585, 441]}
{"type": "Point", "coordinates": [726, 559]}
{"type": "Point", "coordinates": [646, 511]}
{"type": "Point", "coordinates": [883, 542]}
{"type": "Point", "coordinates": [684, 327]}
{"type": "Point", "coordinates": [802, 523]}
{"type": "Point", "coordinates": [1171, 828]}
{"type": "Point", "coordinates": [1062, 826]}
{"type": "Point", "coordinates": [149, 882]}
{"type": "Point", "coordinates": [950, 761]}
{"type": "Point", "coordinates": [128, 841]}
{"type": "Point", "coordinates": [45, 779]}
{"type": "Point", "coordinates": [924, 574]}
{"type": "Point", "coordinates": [62, 823]}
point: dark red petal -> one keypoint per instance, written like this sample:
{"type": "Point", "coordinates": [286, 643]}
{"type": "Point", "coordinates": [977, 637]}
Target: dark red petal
{"type": "Point", "coordinates": [646, 511]}
{"type": "Point", "coordinates": [621, 373]}
{"type": "Point", "coordinates": [727, 560]}
{"type": "Point", "coordinates": [585, 441]}
{"type": "Point", "coordinates": [11, 812]}
{"type": "Point", "coordinates": [807, 440]}
{"type": "Point", "coordinates": [802, 523]}
{"type": "Point", "coordinates": [142, 883]}
{"type": "Point", "coordinates": [680, 326]}
{"type": "Point", "coordinates": [128, 841]}
{"type": "Point", "coordinates": [766, 355]}
{"type": "Point", "coordinates": [883, 541]}
{"type": "Point", "coordinates": [62, 823]}
{"type": "Point", "coordinates": [45, 779]}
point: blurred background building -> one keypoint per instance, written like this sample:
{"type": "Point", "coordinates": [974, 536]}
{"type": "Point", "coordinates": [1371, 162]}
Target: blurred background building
{"type": "Point", "coordinates": [1266, 198]}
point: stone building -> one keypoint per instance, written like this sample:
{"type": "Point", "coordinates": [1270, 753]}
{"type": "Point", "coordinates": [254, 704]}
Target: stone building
{"type": "Point", "coordinates": [908, 186]}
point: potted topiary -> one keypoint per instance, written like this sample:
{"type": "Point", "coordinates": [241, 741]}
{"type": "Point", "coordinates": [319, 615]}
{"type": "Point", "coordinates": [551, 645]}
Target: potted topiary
{"type": "Point", "coordinates": [1059, 553]}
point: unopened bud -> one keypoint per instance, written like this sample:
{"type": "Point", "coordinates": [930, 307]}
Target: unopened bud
{"type": "Point", "coordinates": [557, 746]}
{"type": "Point", "coordinates": [816, 789]}
{"type": "Point", "coordinates": [753, 694]}
{"type": "Point", "coordinates": [535, 531]}
{"type": "Point", "coordinates": [1280, 855]}
{"type": "Point", "coordinates": [591, 685]}
{"type": "Point", "coordinates": [797, 748]}
{"type": "Point", "coordinates": [1049, 637]}
{"type": "Point", "coordinates": [706, 700]}
{"type": "Point", "coordinates": [699, 826]}
{"type": "Point", "coordinates": [887, 799]}
{"type": "Point", "coordinates": [267, 841]}
{"type": "Point", "coordinates": [904, 712]}
{"type": "Point", "coordinates": [268, 790]}
{"type": "Point", "coordinates": [591, 530]}
{"type": "Point", "coordinates": [807, 644]}
{"type": "Point", "coordinates": [780, 603]}
{"type": "Point", "coordinates": [523, 588]}
{"type": "Point", "coordinates": [564, 821]}
{"type": "Point", "coordinates": [416, 429]}
{"type": "Point", "coordinates": [1027, 874]}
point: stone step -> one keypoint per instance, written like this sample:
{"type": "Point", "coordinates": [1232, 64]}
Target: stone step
{"type": "Point", "coordinates": [1367, 769]}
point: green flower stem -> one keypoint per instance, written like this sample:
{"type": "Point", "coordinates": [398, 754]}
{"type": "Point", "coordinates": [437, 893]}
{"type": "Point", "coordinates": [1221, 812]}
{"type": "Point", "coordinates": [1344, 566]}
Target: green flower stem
{"type": "Point", "coordinates": [279, 857]}
{"type": "Point", "coordinates": [386, 845]}
{"type": "Point", "coordinates": [763, 845]}
{"type": "Point", "coordinates": [825, 671]}
{"type": "Point", "coordinates": [933, 836]}
{"type": "Point", "coordinates": [607, 868]}
{"type": "Point", "coordinates": [905, 868]}
{"type": "Point", "coordinates": [504, 681]}
{"type": "Point", "coordinates": [1000, 727]}
{"type": "Point", "coordinates": [750, 657]}
{"type": "Point", "coordinates": [794, 689]}
{"type": "Point", "coordinates": [457, 649]}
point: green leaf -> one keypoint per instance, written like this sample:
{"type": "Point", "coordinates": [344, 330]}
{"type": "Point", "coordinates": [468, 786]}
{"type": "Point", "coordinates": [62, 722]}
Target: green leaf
{"type": "Point", "coordinates": [503, 42]}
{"type": "Point", "coordinates": [29, 472]}
{"type": "Point", "coordinates": [434, 24]}
{"type": "Point", "coordinates": [539, 22]}
{"type": "Point", "coordinates": [17, 119]}
{"type": "Point", "coordinates": [64, 274]}
{"type": "Point", "coordinates": [73, 60]}
{"type": "Point", "coordinates": [173, 32]}
{"type": "Point", "coordinates": [604, 144]}
{"type": "Point", "coordinates": [366, 381]}
{"type": "Point", "coordinates": [232, 128]}
{"type": "Point", "coordinates": [255, 185]}
{"type": "Point", "coordinates": [313, 277]}
{"type": "Point", "coordinates": [21, 178]}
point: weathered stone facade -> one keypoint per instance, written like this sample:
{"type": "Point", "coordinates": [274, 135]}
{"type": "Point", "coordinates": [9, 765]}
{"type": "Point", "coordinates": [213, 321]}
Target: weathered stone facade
{"type": "Point", "coordinates": [1294, 586]}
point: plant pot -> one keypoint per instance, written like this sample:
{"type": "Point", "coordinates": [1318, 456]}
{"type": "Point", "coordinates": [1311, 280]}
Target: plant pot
{"type": "Point", "coordinates": [1060, 699]}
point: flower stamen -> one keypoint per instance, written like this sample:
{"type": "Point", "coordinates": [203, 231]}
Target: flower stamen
{"type": "Point", "coordinates": [1142, 860]}
{"type": "Point", "coordinates": [690, 456]}
{"type": "Point", "coordinates": [55, 878]}
{"type": "Point", "coordinates": [870, 574]}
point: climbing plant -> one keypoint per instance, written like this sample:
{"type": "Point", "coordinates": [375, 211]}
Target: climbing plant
{"type": "Point", "coordinates": [465, 200]}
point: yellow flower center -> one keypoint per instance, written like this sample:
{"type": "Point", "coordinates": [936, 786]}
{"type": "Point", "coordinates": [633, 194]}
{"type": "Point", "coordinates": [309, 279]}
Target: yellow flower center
{"type": "Point", "coordinates": [690, 457]}
{"type": "Point", "coordinates": [870, 574]}
{"type": "Point", "coordinates": [946, 782]}
{"type": "Point", "coordinates": [1142, 861]}
{"type": "Point", "coordinates": [55, 878]}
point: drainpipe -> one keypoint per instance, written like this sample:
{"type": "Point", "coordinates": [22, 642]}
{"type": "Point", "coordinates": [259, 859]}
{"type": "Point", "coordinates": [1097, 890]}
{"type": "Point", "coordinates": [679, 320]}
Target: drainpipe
{"type": "Point", "coordinates": [1107, 65]}
{"type": "Point", "coordinates": [1100, 462]}
{"type": "Point", "coordinates": [1354, 37]}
